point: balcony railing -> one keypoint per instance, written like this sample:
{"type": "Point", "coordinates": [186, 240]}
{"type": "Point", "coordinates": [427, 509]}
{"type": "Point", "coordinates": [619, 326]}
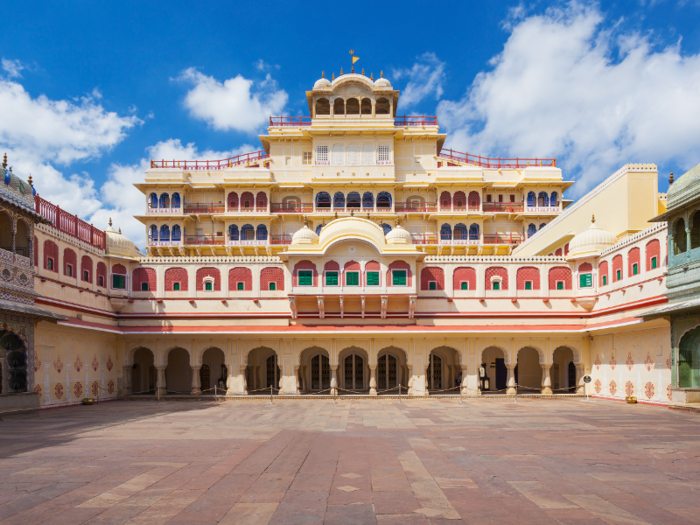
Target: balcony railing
{"type": "Point", "coordinates": [503, 238]}
{"type": "Point", "coordinates": [157, 208]}
{"type": "Point", "coordinates": [420, 120]}
{"type": "Point", "coordinates": [247, 242]}
{"type": "Point", "coordinates": [205, 208]}
{"type": "Point", "coordinates": [536, 208]}
{"type": "Point", "coordinates": [415, 207]}
{"type": "Point", "coordinates": [160, 242]}
{"type": "Point", "coordinates": [205, 240]}
{"type": "Point", "coordinates": [193, 165]}
{"type": "Point", "coordinates": [424, 238]}
{"type": "Point", "coordinates": [70, 224]}
{"type": "Point", "coordinates": [281, 239]}
{"type": "Point", "coordinates": [461, 240]}
{"type": "Point", "coordinates": [292, 207]}
{"type": "Point", "coordinates": [497, 163]}
{"type": "Point", "coordinates": [503, 207]}
{"type": "Point", "coordinates": [290, 121]}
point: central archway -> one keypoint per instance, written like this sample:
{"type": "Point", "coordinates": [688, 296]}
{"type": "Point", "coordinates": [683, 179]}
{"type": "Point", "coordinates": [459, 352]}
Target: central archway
{"type": "Point", "coordinates": [391, 370]}
{"type": "Point", "coordinates": [262, 370]}
{"type": "Point", "coordinates": [214, 371]}
{"type": "Point", "coordinates": [143, 372]}
{"type": "Point", "coordinates": [314, 370]}
{"type": "Point", "coordinates": [353, 370]}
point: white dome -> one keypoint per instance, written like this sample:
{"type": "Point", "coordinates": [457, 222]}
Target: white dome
{"type": "Point", "coordinates": [305, 236]}
{"type": "Point", "coordinates": [398, 236]}
{"type": "Point", "coordinates": [119, 245]}
{"type": "Point", "coordinates": [382, 83]}
{"type": "Point", "coordinates": [322, 83]}
{"type": "Point", "coordinates": [590, 242]}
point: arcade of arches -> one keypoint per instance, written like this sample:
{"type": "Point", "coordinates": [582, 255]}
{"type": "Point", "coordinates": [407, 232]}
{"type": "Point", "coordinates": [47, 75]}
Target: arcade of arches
{"type": "Point", "coordinates": [365, 368]}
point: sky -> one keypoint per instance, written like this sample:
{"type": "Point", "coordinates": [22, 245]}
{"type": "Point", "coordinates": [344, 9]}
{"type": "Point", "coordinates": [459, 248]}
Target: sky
{"type": "Point", "coordinates": [90, 91]}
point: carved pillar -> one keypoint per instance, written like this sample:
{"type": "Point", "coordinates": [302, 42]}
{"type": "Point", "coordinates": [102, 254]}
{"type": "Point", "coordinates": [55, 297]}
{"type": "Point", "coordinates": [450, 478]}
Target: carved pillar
{"type": "Point", "coordinates": [510, 383]}
{"type": "Point", "coordinates": [580, 385]}
{"type": "Point", "coordinates": [126, 380]}
{"type": "Point", "coordinates": [334, 380]}
{"type": "Point", "coordinates": [196, 384]}
{"type": "Point", "coordinates": [465, 388]}
{"type": "Point", "coordinates": [410, 380]}
{"type": "Point", "coordinates": [428, 382]}
{"type": "Point", "coordinates": [296, 375]}
{"type": "Point", "coordinates": [245, 381]}
{"type": "Point", "coordinates": [546, 380]}
{"type": "Point", "coordinates": [372, 380]}
{"type": "Point", "coordinates": [160, 381]}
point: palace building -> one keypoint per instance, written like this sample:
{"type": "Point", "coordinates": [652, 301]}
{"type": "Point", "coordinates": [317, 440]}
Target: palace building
{"type": "Point", "coordinates": [354, 254]}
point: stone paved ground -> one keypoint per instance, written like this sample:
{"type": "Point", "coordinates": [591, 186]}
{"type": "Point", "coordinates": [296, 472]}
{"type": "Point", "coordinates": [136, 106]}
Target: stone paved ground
{"type": "Point", "coordinates": [419, 462]}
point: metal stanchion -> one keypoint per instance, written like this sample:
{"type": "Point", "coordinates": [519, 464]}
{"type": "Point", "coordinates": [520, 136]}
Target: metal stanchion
{"type": "Point", "coordinates": [270, 394]}
{"type": "Point", "coordinates": [215, 400]}
{"type": "Point", "coordinates": [516, 393]}
{"type": "Point", "coordinates": [399, 393]}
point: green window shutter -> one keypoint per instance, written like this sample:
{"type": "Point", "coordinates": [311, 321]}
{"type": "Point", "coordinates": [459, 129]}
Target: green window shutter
{"type": "Point", "coordinates": [496, 285]}
{"type": "Point", "coordinates": [619, 275]}
{"type": "Point", "coordinates": [331, 278]}
{"type": "Point", "coordinates": [585, 280]}
{"type": "Point", "coordinates": [465, 285]}
{"type": "Point", "coordinates": [144, 287]}
{"type": "Point", "coordinates": [372, 278]}
{"type": "Point", "coordinates": [305, 278]}
{"type": "Point", "coordinates": [560, 285]}
{"type": "Point", "coordinates": [209, 287]}
{"type": "Point", "coordinates": [432, 285]}
{"type": "Point", "coordinates": [239, 286]}
{"type": "Point", "coordinates": [273, 286]}
{"type": "Point", "coordinates": [119, 282]}
{"type": "Point", "coordinates": [605, 280]}
{"type": "Point", "coordinates": [528, 285]}
{"type": "Point", "coordinates": [176, 287]}
{"type": "Point", "coordinates": [653, 263]}
{"type": "Point", "coordinates": [635, 269]}
{"type": "Point", "coordinates": [398, 278]}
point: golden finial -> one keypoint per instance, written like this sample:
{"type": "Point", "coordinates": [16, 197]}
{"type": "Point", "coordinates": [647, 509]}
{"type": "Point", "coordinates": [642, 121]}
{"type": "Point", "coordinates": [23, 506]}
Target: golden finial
{"type": "Point", "coordinates": [4, 161]}
{"type": "Point", "coordinates": [670, 179]}
{"type": "Point", "coordinates": [306, 221]}
{"type": "Point", "coordinates": [110, 222]}
{"type": "Point", "coordinates": [371, 76]}
{"type": "Point", "coordinates": [367, 215]}
{"type": "Point", "coordinates": [381, 74]}
{"type": "Point", "coordinates": [336, 215]}
{"type": "Point", "coordinates": [120, 230]}
{"type": "Point", "coordinates": [363, 72]}
{"type": "Point", "coordinates": [323, 74]}
{"type": "Point", "coordinates": [341, 71]}
{"type": "Point", "coordinates": [333, 78]}
{"type": "Point", "coordinates": [352, 212]}
{"type": "Point", "coordinates": [593, 219]}
{"type": "Point", "coordinates": [29, 180]}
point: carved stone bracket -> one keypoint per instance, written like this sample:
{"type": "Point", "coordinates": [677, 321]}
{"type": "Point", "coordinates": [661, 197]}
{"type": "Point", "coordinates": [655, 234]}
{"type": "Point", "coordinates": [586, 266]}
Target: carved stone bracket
{"type": "Point", "coordinates": [385, 302]}
{"type": "Point", "coordinates": [321, 307]}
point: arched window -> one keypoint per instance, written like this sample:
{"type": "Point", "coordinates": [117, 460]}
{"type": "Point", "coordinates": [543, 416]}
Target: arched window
{"type": "Point", "coordinates": [176, 200]}
{"type": "Point", "coordinates": [247, 201]}
{"type": "Point", "coordinates": [680, 240]}
{"type": "Point", "coordinates": [554, 199]}
{"type": "Point", "coordinates": [415, 202]}
{"type": "Point", "coordinates": [384, 199]}
{"type": "Point", "coordinates": [459, 200]}
{"type": "Point", "coordinates": [531, 199]}
{"type": "Point", "coordinates": [543, 225]}
{"type": "Point", "coordinates": [445, 199]}
{"type": "Point", "coordinates": [154, 233]}
{"type": "Point", "coordinates": [474, 232]}
{"type": "Point", "coordinates": [353, 199]}
{"type": "Point", "coordinates": [323, 200]}
{"type": "Point", "coordinates": [86, 269]}
{"type": "Point", "coordinates": [368, 200]}
{"type": "Point", "coordinates": [233, 232]}
{"type": "Point", "coordinates": [177, 233]}
{"type": "Point", "coordinates": [262, 232]}
{"type": "Point", "coordinates": [247, 232]}
{"type": "Point", "coordinates": [386, 228]}
{"type": "Point", "coordinates": [695, 231]}
{"type": "Point", "coordinates": [543, 199]}
{"type": "Point", "coordinates": [366, 106]}
{"type": "Point", "coordinates": [323, 107]}
{"type": "Point", "coordinates": [352, 106]}
{"type": "Point", "coordinates": [233, 200]}
{"type": "Point", "coordinates": [446, 232]}
{"type": "Point", "coordinates": [22, 238]}
{"type": "Point", "coordinates": [154, 200]}
{"type": "Point", "coordinates": [164, 233]}
{"type": "Point", "coordinates": [338, 107]}
{"type": "Point", "coordinates": [339, 200]}
{"type": "Point", "coordinates": [460, 232]}
{"type": "Point", "coordinates": [5, 231]}
{"type": "Point", "coordinates": [382, 106]}
{"type": "Point", "coordinates": [101, 273]}
{"type": "Point", "coordinates": [261, 200]}
{"type": "Point", "coordinates": [531, 229]}
{"type": "Point", "coordinates": [164, 201]}
{"type": "Point", "coordinates": [474, 200]}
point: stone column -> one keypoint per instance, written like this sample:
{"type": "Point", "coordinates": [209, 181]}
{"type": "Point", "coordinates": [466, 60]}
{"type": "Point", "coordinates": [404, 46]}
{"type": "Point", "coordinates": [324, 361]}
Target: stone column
{"type": "Point", "coordinates": [372, 380]}
{"type": "Point", "coordinates": [465, 382]}
{"type": "Point", "coordinates": [426, 375]}
{"type": "Point", "coordinates": [296, 375]}
{"type": "Point", "coordinates": [160, 381]}
{"type": "Point", "coordinates": [410, 380]}
{"type": "Point", "coordinates": [196, 385]}
{"type": "Point", "coordinates": [334, 380]}
{"type": "Point", "coordinates": [546, 380]}
{"type": "Point", "coordinates": [580, 386]}
{"type": "Point", "coordinates": [510, 383]}
{"type": "Point", "coordinates": [126, 380]}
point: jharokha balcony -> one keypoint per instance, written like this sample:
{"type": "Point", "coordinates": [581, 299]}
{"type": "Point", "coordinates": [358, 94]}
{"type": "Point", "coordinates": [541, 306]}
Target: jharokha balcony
{"type": "Point", "coordinates": [492, 163]}
{"type": "Point", "coordinates": [403, 121]}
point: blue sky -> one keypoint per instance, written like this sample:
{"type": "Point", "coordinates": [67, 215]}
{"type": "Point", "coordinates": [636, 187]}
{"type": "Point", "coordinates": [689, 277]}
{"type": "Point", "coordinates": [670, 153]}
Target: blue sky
{"type": "Point", "coordinates": [90, 90]}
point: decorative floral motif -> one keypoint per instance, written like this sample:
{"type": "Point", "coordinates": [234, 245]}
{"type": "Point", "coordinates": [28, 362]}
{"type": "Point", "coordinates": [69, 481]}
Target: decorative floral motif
{"type": "Point", "coordinates": [95, 363]}
{"type": "Point", "coordinates": [58, 391]}
{"type": "Point", "coordinates": [58, 365]}
{"type": "Point", "coordinates": [37, 362]}
{"type": "Point", "coordinates": [629, 388]}
{"type": "Point", "coordinates": [598, 386]}
{"type": "Point", "coordinates": [110, 387]}
{"type": "Point", "coordinates": [613, 388]}
{"type": "Point", "coordinates": [669, 362]}
{"type": "Point", "coordinates": [78, 365]}
{"type": "Point", "coordinates": [597, 362]}
{"type": "Point", "coordinates": [94, 388]}
{"type": "Point", "coordinates": [649, 362]}
{"type": "Point", "coordinates": [110, 365]}
{"type": "Point", "coordinates": [630, 361]}
{"type": "Point", "coordinates": [38, 389]}
{"type": "Point", "coordinates": [649, 390]}
{"type": "Point", "coordinates": [613, 362]}
{"type": "Point", "coordinates": [668, 392]}
{"type": "Point", "coordinates": [78, 389]}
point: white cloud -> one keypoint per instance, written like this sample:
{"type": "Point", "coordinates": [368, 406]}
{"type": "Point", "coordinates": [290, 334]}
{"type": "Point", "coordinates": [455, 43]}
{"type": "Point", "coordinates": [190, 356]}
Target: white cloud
{"type": "Point", "coordinates": [12, 67]}
{"type": "Point", "coordinates": [425, 79]}
{"type": "Point", "coordinates": [596, 98]}
{"type": "Point", "coordinates": [236, 104]}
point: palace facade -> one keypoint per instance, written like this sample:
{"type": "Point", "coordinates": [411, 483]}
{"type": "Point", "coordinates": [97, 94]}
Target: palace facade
{"type": "Point", "coordinates": [354, 254]}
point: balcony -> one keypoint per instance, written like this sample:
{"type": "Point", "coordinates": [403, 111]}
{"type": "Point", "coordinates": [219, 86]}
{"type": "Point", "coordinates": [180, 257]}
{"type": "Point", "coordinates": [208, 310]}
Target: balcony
{"type": "Point", "coordinates": [503, 207]}
{"type": "Point", "coordinates": [292, 207]}
{"type": "Point", "coordinates": [290, 121]}
{"type": "Point", "coordinates": [415, 207]}
{"type": "Point", "coordinates": [494, 163]}
{"type": "Point", "coordinates": [281, 240]}
{"type": "Point", "coordinates": [503, 238]}
{"type": "Point", "coordinates": [205, 240]}
{"type": "Point", "coordinates": [553, 207]}
{"type": "Point", "coordinates": [164, 243]}
{"type": "Point", "coordinates": [205, 209]}
{"type": "Point", "coordinates": [448, 209]}
{"type": "Point", "coordinates": [424, 238]}
{"type": "Point", "coordinates": [420, 120]}
{"type": "Point", "coordinates": [196, 165]}
{"type": "Point", "coordinates": [70, 224]}
{"type": "Point", "coordinates": [156, 208]}
{"type": "Point", "coordinates": [461, 240]}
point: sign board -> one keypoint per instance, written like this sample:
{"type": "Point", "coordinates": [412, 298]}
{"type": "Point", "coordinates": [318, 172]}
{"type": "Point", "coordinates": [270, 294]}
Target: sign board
{"type": "Point", "coordinates": [587, 379]}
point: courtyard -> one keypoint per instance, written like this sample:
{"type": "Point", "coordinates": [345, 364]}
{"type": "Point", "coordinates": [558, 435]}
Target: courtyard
{"type": "Point", "coordinates": [358, 461]}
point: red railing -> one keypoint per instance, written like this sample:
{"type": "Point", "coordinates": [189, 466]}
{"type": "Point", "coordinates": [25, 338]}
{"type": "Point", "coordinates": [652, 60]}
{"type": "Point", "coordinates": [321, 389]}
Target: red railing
{"type": "Point", "coordinates": [292, 207]}
{"type": "Point", "coordinates": [424, 238]}
{"type": "Point", "coordinates": [419, 120]}
{"type": "Point", "coordinates": [507, 207]}
{"type": "Point", "coordinates": [205, 208]}
{"type": "Point", "coordinates": [487, 162]}
{"type": "Point", "coordinates": [281, 239]}
{"type": "Point", "coordinates": [194, 165]}
{"type": "Point", "coordinates": [290, 121]}
{"type": "Point", "coordinates": [70, 224]}
{"type": "Point", "coordinates": [205, 240]}
{"type": "Point", "coordinates": [502, 238]}
{"type": "Point", "coordinates": [415, 207]}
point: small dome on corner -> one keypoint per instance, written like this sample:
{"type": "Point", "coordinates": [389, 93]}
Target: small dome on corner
{"type": "Point", "coordinates": [590, 242]}
{"type": "Point", "coordinates": [382, 83]}
{"type": "Point", "coordinates": [305, 236]}
{"type": "Point", "coordinates": [398, 236]}
{"type": "Point", "coordinates": [322, 83]}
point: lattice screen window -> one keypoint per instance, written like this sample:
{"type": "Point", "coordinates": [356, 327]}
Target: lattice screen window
{"type": "Point", "coordinates": [384, 154]}
{"type": "Point", "coordinates": [353, 155]}
{"type": "Point", "coordinates": [322, 154]}
{"type": "Point", "coordinates": [338, 155]}
{"type": "Point", "coordinates": [367, 155]}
